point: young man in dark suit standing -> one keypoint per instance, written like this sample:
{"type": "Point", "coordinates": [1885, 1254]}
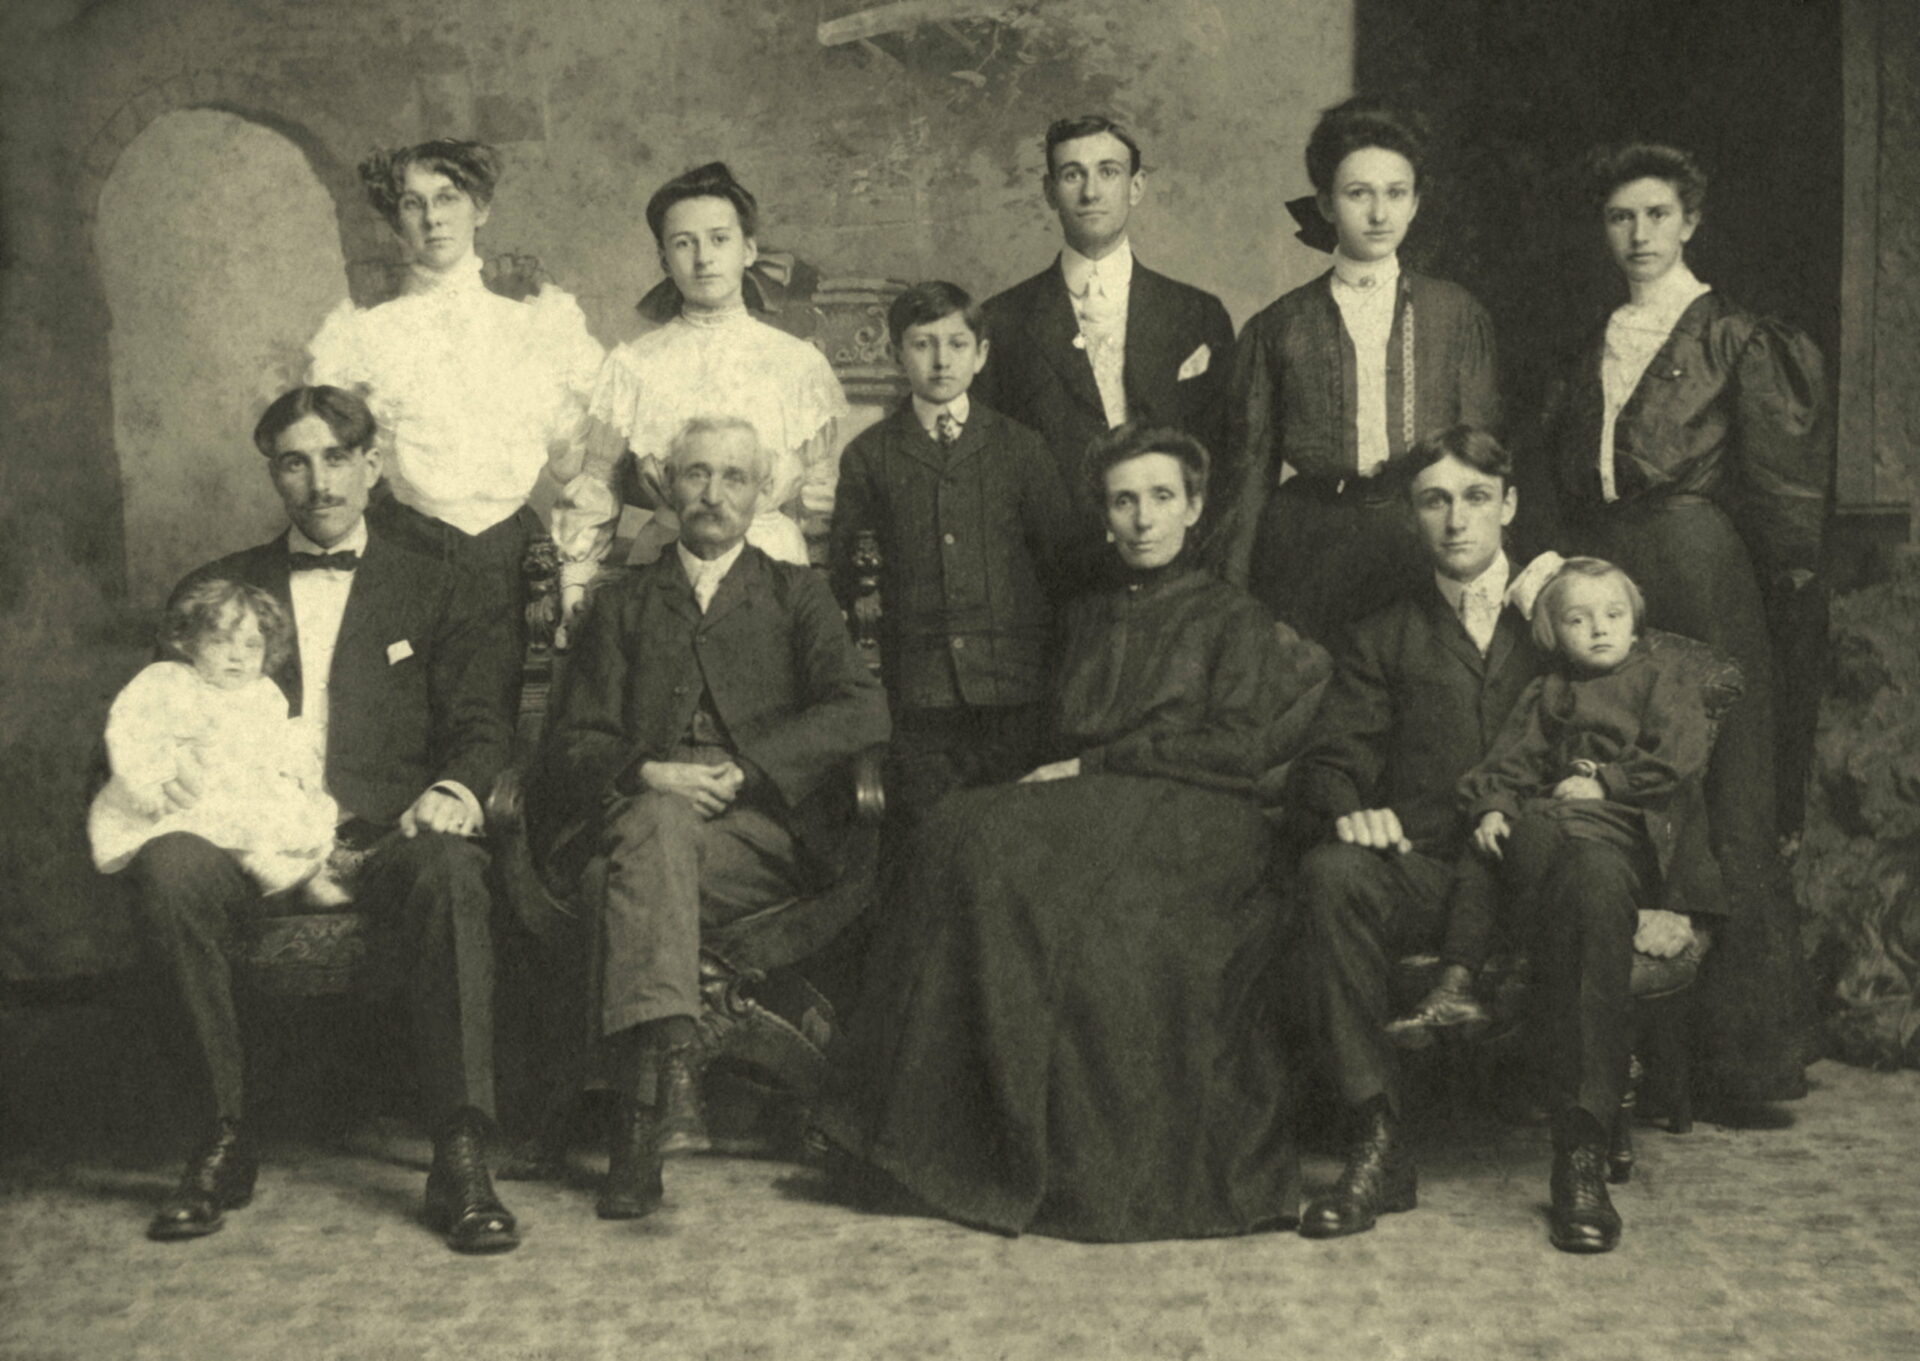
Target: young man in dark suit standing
{"type": "Point", "coordinates": [1097, 339]}
{"type": "Point", "coordinates": [402, 670]}
{"type": "Point", "coordinates": [708, 701]}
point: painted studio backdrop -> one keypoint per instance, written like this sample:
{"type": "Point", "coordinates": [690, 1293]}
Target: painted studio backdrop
{"type": "Point", "coordinates": [181, 212]}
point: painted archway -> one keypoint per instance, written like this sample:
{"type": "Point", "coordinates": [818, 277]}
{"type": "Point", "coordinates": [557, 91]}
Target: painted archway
{"type": "Point", "coordinates": [219, 250]}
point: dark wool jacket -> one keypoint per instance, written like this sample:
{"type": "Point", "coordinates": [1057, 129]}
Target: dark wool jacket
{"type": "Point", "coordinates": [1412, 707]}
{"type": "Point", "coordinates": [970, 539]}
{"type": "Point", "coordinates": [1732, 407]}
{"type": "Point", "coordinates": [772, 651]}
{"type": "Point", "coordinates": [1036, 375]}
{"type": "Point", "coordinates": [1293, 391]}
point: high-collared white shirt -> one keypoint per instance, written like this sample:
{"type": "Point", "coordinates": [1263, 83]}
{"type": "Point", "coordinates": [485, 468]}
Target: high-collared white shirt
{"type": "Point", "coordinates": [929, 413]}
{"type": "Point", "coordinates": [1478, 602]}
{"type": "Point", "coordinates": [706, 574]}
{"type": "Point", "coordinates": [1100, 290]}
{"type": "Point", "coordinates": [472, 391]}
{"type": "Point", "coordinates": [1635, 333]}
{"type": "Point", "coordinates": [1365, 292]}
{"type": "Point", "coordinates": [319, 605]}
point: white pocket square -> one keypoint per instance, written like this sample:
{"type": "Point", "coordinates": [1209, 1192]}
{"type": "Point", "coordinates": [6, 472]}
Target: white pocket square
{"type": "Point", "coordinates": [1196, 364]}
{"type": "Point", "coordinates": [399, 652]}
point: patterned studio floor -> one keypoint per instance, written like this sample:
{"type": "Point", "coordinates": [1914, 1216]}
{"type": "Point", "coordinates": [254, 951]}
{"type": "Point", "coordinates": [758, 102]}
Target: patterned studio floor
{"type": "Point", "coordinates": [1801, 1242]}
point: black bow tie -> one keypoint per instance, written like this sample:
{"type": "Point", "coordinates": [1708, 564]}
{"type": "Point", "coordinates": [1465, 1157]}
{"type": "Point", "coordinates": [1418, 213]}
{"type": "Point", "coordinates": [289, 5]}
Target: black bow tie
{"type": "Point", "coordinates": [344, 561]}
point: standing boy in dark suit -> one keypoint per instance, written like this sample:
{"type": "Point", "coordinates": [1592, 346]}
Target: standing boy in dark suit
{"type": "Point", "coordinates": [402, 670]}
{"type": "Point", "coordinates": [708, 701]}
{"type": "Point", "coordinates": [1097, 339]}
{"type": "Point", "coordinates": [972, 520]}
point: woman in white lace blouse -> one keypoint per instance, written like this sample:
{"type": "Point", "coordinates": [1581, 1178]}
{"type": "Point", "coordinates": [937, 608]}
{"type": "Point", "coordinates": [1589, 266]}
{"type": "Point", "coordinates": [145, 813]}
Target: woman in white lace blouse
{"type": "Point", "coordinates": [476, 394]}
{"type": "Point", "coordinates": [713, 359]}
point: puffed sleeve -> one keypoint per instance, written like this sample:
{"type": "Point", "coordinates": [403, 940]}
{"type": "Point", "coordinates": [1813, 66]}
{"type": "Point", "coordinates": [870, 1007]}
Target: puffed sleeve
{"type": "Point", "coordinates": [587, 511]}
{"type": "Point", "coordinates": [1783, 421]}
{"type": "Point", "coordinates": [337, 355]}
{"type": "Point", "coordinates": [1252, 425]}
{"type": "Point", "coordinates": [560, 330]}
{"type": "Point", "coordinates": [344, 353]}
{"type": "Point", "coordinates": [821, 409]}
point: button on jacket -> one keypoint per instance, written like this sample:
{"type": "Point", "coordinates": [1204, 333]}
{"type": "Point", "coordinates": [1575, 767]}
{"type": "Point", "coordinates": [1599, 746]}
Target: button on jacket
{"type": "Point", "coordinates": [971, 538]}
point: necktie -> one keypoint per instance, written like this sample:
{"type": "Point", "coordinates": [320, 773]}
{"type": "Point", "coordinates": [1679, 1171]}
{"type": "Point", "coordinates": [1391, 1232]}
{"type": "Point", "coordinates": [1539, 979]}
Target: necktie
{"type": "Point", "coordinates": [343, 561]}
{"type": "Point", "coordinates": [705, 586]}
{"type": "Point", "coordinates": [1480, 614]}
{"type": "Point", "coordinates": [946, 429]}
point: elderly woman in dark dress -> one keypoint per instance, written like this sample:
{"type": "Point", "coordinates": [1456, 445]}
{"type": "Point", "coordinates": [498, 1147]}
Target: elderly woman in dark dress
{"type": "Point", "coordinates": [1061, 1030]}
{"type": "Point", "coordinates": [1690, 445]}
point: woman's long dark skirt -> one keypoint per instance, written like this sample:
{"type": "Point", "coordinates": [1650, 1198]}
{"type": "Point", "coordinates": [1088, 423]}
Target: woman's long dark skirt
{"type": "Point", "coordinates": [1322, 562]}
{"type": "Point", "coordinates": [1065, 1025]}
{"type": "Point", "coordinates": [1756, 1023]}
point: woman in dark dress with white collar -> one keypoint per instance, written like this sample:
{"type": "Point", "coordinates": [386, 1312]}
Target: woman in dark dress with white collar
{"type": "Point", "coordinates": [1691, 445]}
{"type": "Point", "coordinates": [1339, 379]}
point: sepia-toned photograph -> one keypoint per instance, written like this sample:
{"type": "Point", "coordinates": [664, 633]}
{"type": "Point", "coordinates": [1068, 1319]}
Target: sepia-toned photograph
{"type": "Point", "coordinates": [980, 679]}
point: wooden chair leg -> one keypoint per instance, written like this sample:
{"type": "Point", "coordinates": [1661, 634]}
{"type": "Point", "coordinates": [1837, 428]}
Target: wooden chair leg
{"type": "Point", "coordinates": [1669, 1036]}
{"type": "Point", "coordinates": [1620, 1141]}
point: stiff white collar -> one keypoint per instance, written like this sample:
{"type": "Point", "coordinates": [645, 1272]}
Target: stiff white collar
{"type": "Point", "coordinates": [715, 316]}
{"type": "Point", "coordinates": [355, 540]}
{"type": "Point", "coordinates": [1494, 579]}
{"type": "Point", "coordinates": [1115, 269]}
{"type": "Point", "coordinates": [927, 413]}
{"type": "Point", "coordinates": [1658, 305]}
{"type": "Point", "coordinates": [460, 277]}
{"type": "Point", "coordinates": [699, 569]}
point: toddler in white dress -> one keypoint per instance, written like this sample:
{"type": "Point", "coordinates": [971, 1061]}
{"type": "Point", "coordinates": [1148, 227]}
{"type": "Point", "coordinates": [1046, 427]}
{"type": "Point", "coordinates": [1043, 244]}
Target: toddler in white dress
{"type": "Point", "coordinates": [202, 743]}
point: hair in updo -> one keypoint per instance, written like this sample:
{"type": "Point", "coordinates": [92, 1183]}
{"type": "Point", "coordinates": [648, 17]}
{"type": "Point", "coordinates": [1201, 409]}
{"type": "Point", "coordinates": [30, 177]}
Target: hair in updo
{"type": "Point", "coordinates": [1547, 604]}
{"type": "Point", "coordinates": [213, 608]}
{"type": "Point", "coordinates": [1359, 123]}
{"type": "Point", "coordinates": [712, 180]}
{"type": "Point", "coordinates": [1132, 441]}
{"type": "Point", "coordinates": [474, 168]}
{"type": "Point", "coordinates": [1609, 167]}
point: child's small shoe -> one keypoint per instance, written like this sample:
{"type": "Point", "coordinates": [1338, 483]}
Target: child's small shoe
{"type": "Point", "coordinates": [1449, 1004]}
{"type": "Point", "coordinates": [323, 890]}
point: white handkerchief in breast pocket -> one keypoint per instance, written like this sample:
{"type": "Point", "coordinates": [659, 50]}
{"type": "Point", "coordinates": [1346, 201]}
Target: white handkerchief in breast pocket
{"type": "Point", "coordinates": [1196, 363]}
{"type": "Point", "coordinates": [398, 652]}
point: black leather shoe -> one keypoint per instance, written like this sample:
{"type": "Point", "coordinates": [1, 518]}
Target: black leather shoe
{"type": "Point", "coordinates": [1581, 1217]}
{"type": "Point", "coordinates": [632, 1189]}
{"type": "Point", "coordinates": [460, 1201]}
{"type": "Point", "coordinates": [218, 1178]}
{"type": "Point", "coordinates": [1378, 1179]}
{"type": "Point", "coordinates": [683, 1117]}
{"type": "Point", "coordinates": [1442, 1008]}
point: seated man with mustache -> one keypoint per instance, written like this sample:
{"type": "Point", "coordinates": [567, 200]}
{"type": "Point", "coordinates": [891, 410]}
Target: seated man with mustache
{"type": "Point", "coordinates": [709, 698]}
{"type": "Point", "coordinates": [401, 671]}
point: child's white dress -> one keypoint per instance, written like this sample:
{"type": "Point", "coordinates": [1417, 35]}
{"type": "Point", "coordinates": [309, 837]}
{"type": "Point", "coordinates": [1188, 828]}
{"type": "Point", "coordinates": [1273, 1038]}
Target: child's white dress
{"type": "Point", "coordinates": [262, 796]}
